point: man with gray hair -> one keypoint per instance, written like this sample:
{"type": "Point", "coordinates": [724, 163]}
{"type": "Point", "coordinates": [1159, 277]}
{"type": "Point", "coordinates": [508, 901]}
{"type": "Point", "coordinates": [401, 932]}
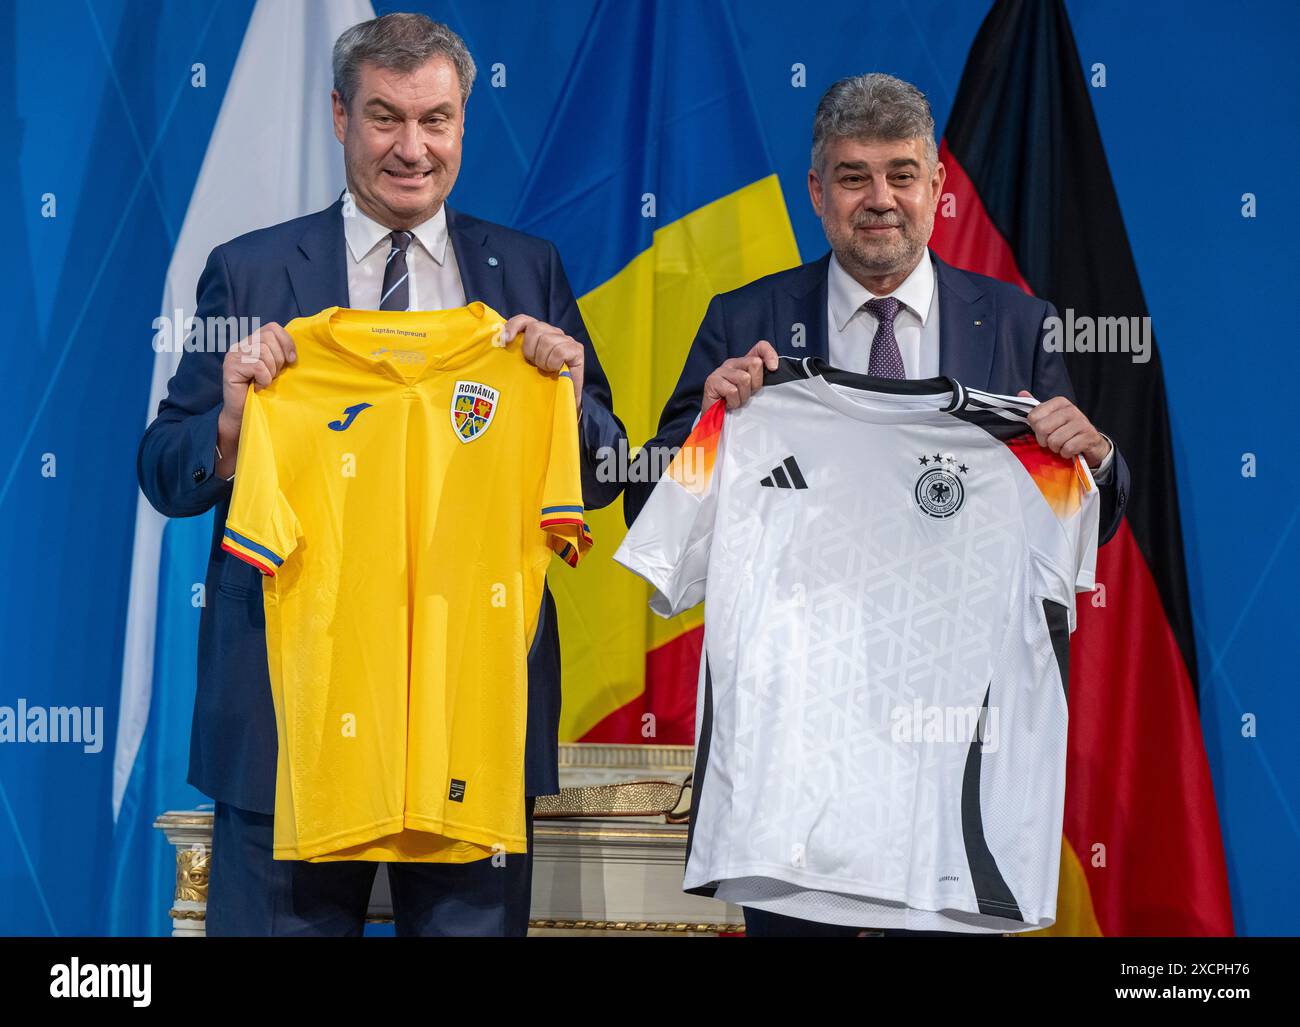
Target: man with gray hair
{"type": "Point", "coordinates": [881, 303]}
{"type": "Point", "coordinates": [390, 242]}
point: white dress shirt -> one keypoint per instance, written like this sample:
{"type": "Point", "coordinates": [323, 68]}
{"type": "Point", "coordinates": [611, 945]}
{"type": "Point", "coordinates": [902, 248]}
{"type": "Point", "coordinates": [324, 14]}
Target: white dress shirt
{"type": "Point", "coordinates": [850, 330]}
{"type": "Point", "coordinates": [434, 279]}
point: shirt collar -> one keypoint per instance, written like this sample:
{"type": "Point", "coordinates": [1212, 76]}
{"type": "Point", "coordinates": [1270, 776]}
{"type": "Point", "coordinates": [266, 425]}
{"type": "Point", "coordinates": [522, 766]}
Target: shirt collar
{"type": "Point", "coordinates": [364, 233]}
{"type": "Point", "coordinates": [846, 295]}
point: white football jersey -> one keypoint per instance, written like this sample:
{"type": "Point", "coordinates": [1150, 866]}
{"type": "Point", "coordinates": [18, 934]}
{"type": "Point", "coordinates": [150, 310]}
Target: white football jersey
{"type": "Point", "coordinates": [889, 570]}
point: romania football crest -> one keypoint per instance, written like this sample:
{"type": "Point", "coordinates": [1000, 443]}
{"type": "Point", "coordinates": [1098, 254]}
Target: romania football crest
{"type": "Point", "coordinates": [472, 408]}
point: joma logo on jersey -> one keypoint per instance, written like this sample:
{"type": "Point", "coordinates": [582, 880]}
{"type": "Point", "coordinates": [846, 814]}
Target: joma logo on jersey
{"type": "Point", "coordinates": [349, 415]}
{"type": "Point", "coordinates": [473, 405]}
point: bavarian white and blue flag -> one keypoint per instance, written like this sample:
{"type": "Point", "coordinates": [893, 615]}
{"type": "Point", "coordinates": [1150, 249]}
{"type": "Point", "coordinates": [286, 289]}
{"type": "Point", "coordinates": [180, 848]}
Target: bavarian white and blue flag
{"type": "Point", "coordinates": [281, 78]}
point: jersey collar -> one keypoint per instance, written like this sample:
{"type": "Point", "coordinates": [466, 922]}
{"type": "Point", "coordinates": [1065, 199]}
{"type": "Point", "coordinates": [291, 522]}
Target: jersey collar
{"type": "Point", "coordinates": [883, 399]}
{"type": "Point", "coordinates": [442, 349]}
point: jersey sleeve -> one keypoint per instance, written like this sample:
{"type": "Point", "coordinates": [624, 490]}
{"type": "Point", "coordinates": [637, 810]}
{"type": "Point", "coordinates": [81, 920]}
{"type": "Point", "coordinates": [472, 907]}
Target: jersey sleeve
{"type": "Point", "coordinates": [1086, 529]}
{"type": "Point", "coordinates": [562, 515]}
{"type": "Point", "coordinates": [1063, 524]}
{"type": "Point", "coordinates": [669, 542]}
{"type": "Point", "coordinates": [261, 527]}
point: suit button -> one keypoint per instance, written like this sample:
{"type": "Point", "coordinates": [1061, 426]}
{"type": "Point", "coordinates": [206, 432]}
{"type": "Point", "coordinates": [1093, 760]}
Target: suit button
{"type": "Point", "coordinates": [198, 476]}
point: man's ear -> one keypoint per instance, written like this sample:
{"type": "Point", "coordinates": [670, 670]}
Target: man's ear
{"type": "Point", "coordinates": [815, 191]}
{"type": "Point", "coordinates": [340, 115]}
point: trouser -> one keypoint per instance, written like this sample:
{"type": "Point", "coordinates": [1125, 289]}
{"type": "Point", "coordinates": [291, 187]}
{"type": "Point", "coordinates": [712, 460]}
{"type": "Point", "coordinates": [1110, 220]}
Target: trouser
{"type": "Point", "coordinates": [250, 893]}
{"type": "Point", "coordinates": [759, 923]}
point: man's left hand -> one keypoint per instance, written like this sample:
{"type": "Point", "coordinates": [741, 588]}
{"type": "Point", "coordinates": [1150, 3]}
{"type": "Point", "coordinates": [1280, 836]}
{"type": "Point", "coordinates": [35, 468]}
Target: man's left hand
{"type": "Point", "coordinates": [548, 348]}
{"type": "Point", "coordinates": [1060, 426]}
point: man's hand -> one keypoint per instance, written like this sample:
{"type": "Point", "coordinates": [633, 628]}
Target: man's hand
{"type": "Point", "coordinates": [256, 358]}
{"type": "Point", "coordinates": [740, 377]}
{"type": "Point", "coordinates": [1060, 426]}
{"type": "Point", "coordinates": [548, 348]}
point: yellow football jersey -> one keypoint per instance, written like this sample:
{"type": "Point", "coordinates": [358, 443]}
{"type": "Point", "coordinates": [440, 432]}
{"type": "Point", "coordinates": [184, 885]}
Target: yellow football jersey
{"type": "Point", "coordinates": [402, 487]}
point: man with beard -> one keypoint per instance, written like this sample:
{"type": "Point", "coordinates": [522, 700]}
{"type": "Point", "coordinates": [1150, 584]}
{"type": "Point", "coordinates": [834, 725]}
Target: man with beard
{"type": "Point", "coordinates": [880, 303]}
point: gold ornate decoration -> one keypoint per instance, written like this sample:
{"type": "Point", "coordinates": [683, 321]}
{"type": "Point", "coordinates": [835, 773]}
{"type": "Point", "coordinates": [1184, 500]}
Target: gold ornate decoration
{"type": "Point", "coordinates": [192, 866]}
{"type": "Point", "coordinates": [625, 799]}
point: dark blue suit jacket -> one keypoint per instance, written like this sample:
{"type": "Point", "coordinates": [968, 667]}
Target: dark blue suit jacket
{"type": "Point", "coordinates": [297, 269]}
{"type": "Point", "coordinates": [989, 336]}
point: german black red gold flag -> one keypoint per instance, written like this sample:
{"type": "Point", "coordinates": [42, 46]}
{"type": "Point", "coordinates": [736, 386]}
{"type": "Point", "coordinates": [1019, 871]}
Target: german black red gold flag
{"type": "Point", "coordinates": [1032, 203]}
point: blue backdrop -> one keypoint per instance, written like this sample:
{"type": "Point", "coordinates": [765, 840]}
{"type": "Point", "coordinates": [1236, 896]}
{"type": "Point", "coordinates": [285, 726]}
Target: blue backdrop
{"type": "Point", "coordinates": [1198, 110]}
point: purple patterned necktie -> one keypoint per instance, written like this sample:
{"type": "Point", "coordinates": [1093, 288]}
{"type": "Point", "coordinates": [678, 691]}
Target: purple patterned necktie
{"type": "Point", "coordinates": [886, 360]}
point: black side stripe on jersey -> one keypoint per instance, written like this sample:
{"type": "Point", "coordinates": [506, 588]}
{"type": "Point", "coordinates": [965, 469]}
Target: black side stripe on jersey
{"type": "Point", "coordinates": [1001, 425]}
{"type": "Point", "coordinates": [1058, 626]}
{"type": "Point", "coordinates": [1009, 412]}
{"type": "Point", "coordinates": [1023, 403]}
{"type": "Point", "coordinates": [788, 369]}
{"type": "Point", "coordinates": [697, 778]}
{"type": "Point", "coordinates": [991, 891]}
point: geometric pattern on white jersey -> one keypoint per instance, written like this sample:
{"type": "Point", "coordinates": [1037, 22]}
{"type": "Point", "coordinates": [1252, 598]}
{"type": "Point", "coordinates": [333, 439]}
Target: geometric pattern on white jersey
{"type": "Point", "coordinates": [855, 632]}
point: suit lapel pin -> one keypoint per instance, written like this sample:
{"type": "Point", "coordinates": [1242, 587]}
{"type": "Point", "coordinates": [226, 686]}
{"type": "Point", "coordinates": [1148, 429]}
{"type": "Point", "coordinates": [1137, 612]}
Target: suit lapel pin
{"type": "Point", "coordinates": [978, 323]}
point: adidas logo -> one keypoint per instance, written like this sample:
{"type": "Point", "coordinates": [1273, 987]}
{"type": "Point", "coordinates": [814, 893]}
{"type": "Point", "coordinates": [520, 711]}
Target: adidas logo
{"type": "Point", "coordinates": [786, 476]}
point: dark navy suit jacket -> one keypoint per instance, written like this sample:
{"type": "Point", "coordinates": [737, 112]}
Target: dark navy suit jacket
{"type": "Point", "coordinates": [297, 269]}
{"type": "Point", "coordinates": [989, 336]}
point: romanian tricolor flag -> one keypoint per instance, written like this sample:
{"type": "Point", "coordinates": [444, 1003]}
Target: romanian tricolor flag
{"type": "Point", "coordinates": [675, 200]}
{"type": "Point", "coordinates": [1033, 204]}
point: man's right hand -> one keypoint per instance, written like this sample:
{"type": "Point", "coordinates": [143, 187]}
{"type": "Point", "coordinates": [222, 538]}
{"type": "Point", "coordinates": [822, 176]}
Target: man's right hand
{"type": "Point", "coordinates": [738, 378]}
{"type": "Point", "coordinates": [256, 358]}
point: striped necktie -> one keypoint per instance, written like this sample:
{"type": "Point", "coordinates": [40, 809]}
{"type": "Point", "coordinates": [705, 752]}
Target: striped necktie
{"type": "Point", "coordinates": [396, 294]}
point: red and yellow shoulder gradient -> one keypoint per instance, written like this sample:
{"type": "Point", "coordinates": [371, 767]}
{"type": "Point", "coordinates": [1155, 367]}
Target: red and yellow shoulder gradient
{"type": "Point", "coordinates": [692, 467]}
{"type": "Point", "coordinates": [1061, 480]}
